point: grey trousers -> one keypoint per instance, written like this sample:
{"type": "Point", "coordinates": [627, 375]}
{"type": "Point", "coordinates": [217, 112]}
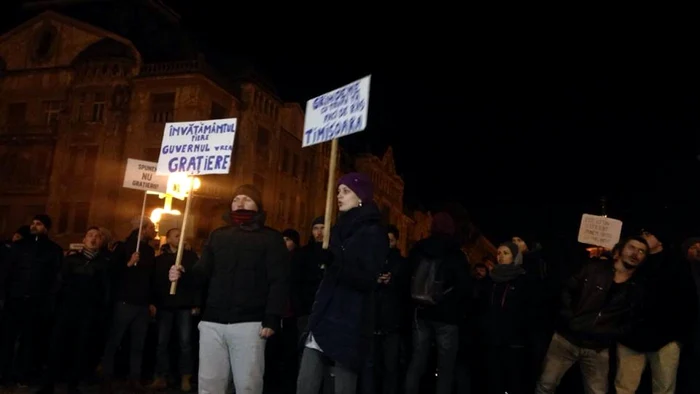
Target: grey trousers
{"type": "Point", "coordinates": [561, 355]}
{"type": "Point", "coordinates": [312, 370]}
{"type": "Point", "coordinates": [231, 349]}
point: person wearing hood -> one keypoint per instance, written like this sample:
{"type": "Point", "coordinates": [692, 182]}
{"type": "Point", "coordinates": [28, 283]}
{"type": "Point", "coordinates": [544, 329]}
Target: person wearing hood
{"type": "Point", "coordinates": [341, 324]}
{"type": "Point", "coordinates": [439, 312]}
{"type": "Point", "coordinates": [245, 266]}
{"type": "Point", "coordinates": [511, 322]}
{"type": "Point", "coordinates": [28, 282]}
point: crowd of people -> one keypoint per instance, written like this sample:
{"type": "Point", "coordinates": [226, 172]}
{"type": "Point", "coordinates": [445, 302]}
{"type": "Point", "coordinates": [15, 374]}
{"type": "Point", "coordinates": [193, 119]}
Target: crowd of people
{"type": "Point", "coordinates": [256, 311]}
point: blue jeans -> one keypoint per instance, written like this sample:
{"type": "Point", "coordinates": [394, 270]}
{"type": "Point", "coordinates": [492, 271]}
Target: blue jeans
{"type": "Point", "coordinates": [182, 319]}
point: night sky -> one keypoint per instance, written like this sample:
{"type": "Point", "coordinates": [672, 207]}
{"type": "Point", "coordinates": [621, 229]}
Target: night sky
{"type": "Point", "coordinates": [528, 132]}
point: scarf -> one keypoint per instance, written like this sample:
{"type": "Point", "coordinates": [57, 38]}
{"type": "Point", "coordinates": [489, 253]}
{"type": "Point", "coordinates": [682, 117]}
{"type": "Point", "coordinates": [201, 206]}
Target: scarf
{"type": "Point", "coordinates": [506, 272]}
{"type": "Point", "coordinates": [242, 216]}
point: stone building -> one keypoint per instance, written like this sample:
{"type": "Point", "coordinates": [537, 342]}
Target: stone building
{"type": "Point", "coordinates": [77, 100]}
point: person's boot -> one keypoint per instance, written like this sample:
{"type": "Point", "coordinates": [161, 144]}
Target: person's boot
{"type": "Point", "coordinates": [186, 384]}
{"type": "Point", "coordinates": [158, 384]}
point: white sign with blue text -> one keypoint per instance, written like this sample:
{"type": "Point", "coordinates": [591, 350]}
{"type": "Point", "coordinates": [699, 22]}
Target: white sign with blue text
{"type": "Point", "coordinates": [336, 114]}
{"type": "Point", "coordinates": [197, 148]}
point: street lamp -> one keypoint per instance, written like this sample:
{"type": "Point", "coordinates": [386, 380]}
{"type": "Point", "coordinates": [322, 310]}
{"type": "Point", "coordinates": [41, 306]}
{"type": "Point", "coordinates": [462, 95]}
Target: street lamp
{"type": "Point", "coordinates": [179, 186]}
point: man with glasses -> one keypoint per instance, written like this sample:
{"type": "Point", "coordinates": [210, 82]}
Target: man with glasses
{"type": "Point", "coordinates": [599, 304]}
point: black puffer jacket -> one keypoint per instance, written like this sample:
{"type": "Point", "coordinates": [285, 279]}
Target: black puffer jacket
{"type": "Point", "coordinates": [246, 269]}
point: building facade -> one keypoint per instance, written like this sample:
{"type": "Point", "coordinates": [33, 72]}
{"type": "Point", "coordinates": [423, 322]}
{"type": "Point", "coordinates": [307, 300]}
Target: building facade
{"type": "Point", "coordinates": [76, 101]}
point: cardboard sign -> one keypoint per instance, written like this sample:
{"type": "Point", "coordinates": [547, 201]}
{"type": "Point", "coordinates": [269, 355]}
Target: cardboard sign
{"type": "Point", "coordinates": [599, 231]}
{"type": "Point", "coordinates": [141, 175]}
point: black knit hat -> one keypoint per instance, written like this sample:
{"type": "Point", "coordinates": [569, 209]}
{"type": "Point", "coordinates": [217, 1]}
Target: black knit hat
{"type": "Point", "coordinates": [45, 219]}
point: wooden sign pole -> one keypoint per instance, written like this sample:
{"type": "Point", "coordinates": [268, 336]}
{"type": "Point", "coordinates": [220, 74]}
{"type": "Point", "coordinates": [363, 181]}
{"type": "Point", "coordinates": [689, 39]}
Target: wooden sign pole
{"type": "Point", "coordinates": [330, 194]}
{"type": "Point", "coordinates": [181, 244]}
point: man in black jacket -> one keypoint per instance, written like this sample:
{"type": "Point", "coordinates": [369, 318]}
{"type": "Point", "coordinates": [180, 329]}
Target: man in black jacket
{"type": "Point", "coordinates": [246, 268]}
{"type": "Point", "coordinates": [83, 294]}
{"type": "Point", "coordinates": [438, 320]}
{"type": "Point", "coordinates": [28, 281]}
{"type": "Point", "coordinates": [599, 304]}
{"type": "Point", "coordinates": [134, 269]}
{"type": "Point", "coordinates": [175, 312]}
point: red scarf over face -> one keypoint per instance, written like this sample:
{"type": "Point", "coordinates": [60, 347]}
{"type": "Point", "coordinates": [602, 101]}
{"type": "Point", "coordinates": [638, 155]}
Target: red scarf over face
{"type": "Point", "coordinates": [242, 216]}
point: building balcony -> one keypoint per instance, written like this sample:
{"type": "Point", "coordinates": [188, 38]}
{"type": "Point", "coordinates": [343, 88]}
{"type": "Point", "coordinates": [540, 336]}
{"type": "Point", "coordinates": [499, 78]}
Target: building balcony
{"type": "Point", "coordinates": [196, 66]}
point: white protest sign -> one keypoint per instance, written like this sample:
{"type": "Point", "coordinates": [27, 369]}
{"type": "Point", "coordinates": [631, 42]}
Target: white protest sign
{"type": "Point", "coordinates": [337, 113]}
{"type": "Point", "coordinates": [141, 175]}
{"type": "Point", "coordinates": [599, 231]}
{"type": "Point", "coordinates": [197, 148]}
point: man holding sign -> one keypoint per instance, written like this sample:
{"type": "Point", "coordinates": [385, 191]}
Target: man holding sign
{"type": "Point", "coordinates": [246, 269]}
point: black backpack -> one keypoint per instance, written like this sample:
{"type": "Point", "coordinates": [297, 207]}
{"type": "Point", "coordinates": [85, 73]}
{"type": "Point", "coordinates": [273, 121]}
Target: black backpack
{"type": "Point", "coordinates": [427, 282]}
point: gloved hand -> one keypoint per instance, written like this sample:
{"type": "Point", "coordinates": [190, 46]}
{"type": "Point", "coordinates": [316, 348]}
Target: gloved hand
{"type": "Point", "coordinates": [325, 258]}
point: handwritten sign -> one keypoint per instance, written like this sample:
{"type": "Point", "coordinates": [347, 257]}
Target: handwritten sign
{"type": "Point", "coordinates": [141, 175]}
{"type": "Point", "coordinates": [337, 113]}
{"type": "Point", "coordinates": [197, 148]}
{"type": "Point", "coordinates": [599, 231]}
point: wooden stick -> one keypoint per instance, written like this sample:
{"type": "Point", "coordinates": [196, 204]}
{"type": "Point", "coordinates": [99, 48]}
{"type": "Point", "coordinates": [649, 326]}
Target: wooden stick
{"type": "Point", "coordinates": [143, 212]}
{"type": "Point", "coordinates": [330, 194]}
{"type": "Point", "coordinates": [181, 244]}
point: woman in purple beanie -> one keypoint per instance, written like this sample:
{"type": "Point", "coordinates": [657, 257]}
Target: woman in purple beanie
{"type": "Point", "coordinates": [342, 318]}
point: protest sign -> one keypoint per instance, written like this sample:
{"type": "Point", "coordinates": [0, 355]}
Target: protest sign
{"type": "Point", "coordinates": [330, 116]}
{"type": "Point", "coordinates": [599, 231]}
{"type": "Point", "coordinates": [197, 148]}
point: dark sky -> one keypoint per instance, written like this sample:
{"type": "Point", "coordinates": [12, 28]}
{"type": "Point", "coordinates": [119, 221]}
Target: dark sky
{"type": "Point", "coordinates": [527, 130]}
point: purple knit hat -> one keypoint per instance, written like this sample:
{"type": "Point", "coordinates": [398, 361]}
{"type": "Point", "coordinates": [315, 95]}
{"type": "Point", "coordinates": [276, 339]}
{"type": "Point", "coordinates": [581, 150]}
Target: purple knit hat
{"type": "Point", "coordinates": [359, 183]}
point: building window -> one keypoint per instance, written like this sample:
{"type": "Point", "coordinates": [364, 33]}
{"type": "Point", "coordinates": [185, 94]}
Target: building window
{"type": "Point", "coordinates": [98, 108]}
{"type": "Point", "coordinates": [305, 171]}
{"type": "Point", "coordinates": [259, 182]}
{"type": "Point", "coordinates": [80, 108]}
{"type": "Point", "coordinates": [64, 214]}
{"type": "Point", "coordinates": [16, 114]}
{"type": "Point", "coordinates": [285, 160]}
{"type": "Point", "coordinates": [263, 142]}
{"type": "Point", "coordinates": [83, 159]}
{"type": "Point", "coordinates": [281, 205]}
{"type": "Point", "coordinates": [295, 165]}
{"type": "Point", "coordinates": [51, 110]}
{"type": "Point", "coordinates": [162, 107]}
{"type": "Point", "coordinates": [217, 111]}
{"type": "Point", "coordinates": [82, 214]}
